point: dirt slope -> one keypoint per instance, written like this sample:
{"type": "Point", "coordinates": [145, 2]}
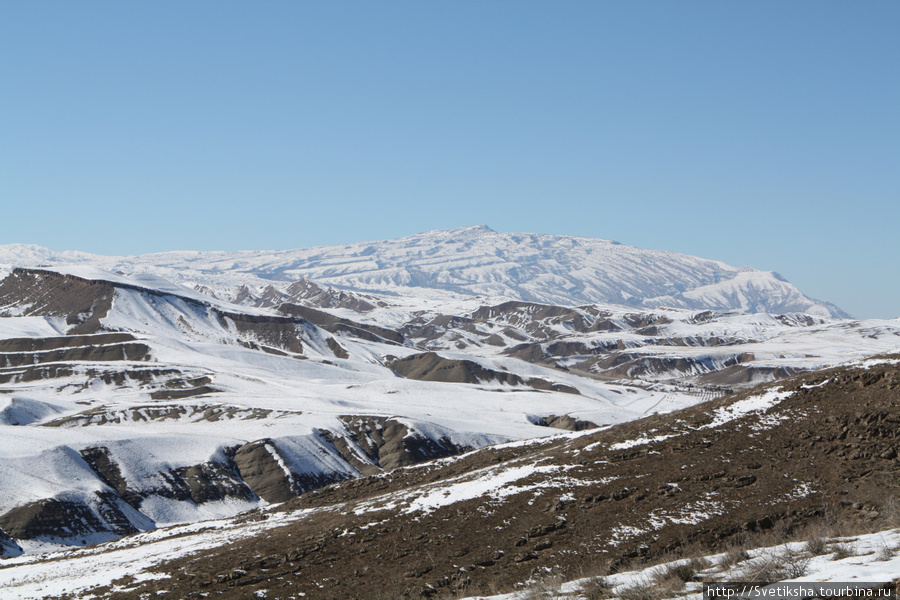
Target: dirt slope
{"type": "Point", "coordinates": [821, 444]}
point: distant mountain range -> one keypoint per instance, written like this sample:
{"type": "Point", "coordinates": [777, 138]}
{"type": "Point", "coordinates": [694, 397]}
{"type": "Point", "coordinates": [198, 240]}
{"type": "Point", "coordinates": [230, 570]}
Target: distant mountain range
{"type": "Point", "coordinates": [474, 261]}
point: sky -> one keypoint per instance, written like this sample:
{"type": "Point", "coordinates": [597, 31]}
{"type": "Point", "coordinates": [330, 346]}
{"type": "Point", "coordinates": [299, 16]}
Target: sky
{"type": "Point", "coordinates": [758, 133]}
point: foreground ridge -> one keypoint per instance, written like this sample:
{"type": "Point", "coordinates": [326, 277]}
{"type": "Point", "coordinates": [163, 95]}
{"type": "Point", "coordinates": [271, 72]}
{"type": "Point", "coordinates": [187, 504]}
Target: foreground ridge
{"type": "Point", "coordinates": [812, 450]}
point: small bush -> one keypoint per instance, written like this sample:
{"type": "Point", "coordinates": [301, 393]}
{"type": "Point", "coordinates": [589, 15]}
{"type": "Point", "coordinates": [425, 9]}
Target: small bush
{"type": "Point", "coordinates": [640, 591]}
{"type": "Point", "coordinates": [733, 556]}
{"type": "Point", "coordinates": [596, 588]}
{"type": "Point", "coordinates": [777, 566]}
{"type": "Point", "coordinates": [816, 544]}
{"type": "Point", "coordinates": [765, 569]}
{"type": "Point", "coordinates": [890, 511]}
{"type": "Point", "coordinates": [842, 551]}
{"type": "Point", "coordinates": [795, 564]}
{"type": "Point", "coordinates": [545, 589]}
{"type": "Point", "coordinates": [596, 568]}
{"type": "Point", "coordinates": [680, 572]}
{"type": "Point", "coordinates": [779, 533]}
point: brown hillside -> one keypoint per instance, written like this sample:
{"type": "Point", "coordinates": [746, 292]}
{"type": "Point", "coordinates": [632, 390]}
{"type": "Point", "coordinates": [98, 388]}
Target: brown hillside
{"type": "Point", "coordinates": [815, 445]}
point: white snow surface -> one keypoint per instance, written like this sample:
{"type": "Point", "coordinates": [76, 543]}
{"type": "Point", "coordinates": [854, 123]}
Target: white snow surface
{"type": "Point", "coordinates": [473, 261]}
{"type": "Point", "coordinates": [73, 571]}
{"type": "Point", "coordinates": [271, 397]}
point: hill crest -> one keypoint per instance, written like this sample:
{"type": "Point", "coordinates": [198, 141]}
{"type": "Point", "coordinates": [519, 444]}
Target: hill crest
{"type": "Point", "coordinates": [475, 261]}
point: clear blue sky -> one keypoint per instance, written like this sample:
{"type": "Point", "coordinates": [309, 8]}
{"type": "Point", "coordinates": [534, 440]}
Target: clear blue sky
{"type": "Point", "coordinates": [757, 133]}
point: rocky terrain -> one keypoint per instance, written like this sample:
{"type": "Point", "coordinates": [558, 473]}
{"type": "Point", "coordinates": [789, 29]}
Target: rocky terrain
{"type": "Point", "coordinates": [815, 449]}
{"type": "Point", "coordinates": [139, 394]}
{"type": "Point", "coordinates": [128, 407]}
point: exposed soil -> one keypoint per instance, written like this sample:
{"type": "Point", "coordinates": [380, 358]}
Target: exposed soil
{"type": "Point", "coordinates": [553, 335]}
{"type": "Point", "coordinates": [334, 324]}
{"type": "Point", "coordinates": [50, 294]}
{"type": "Point", "coordinates": [390, 444]}
{"type": "Point", "coordinates": [128, 351]}
{"type": "Point", "coordinates": [429, 366]}
{"type": "Point", "coordinates": [41, 345]}
{"type": "Point", "coordinates": [310, 293]}
{"type": "Point", "coordinates": [691, 477]}
{"type": "Point", "coordinates": [85, 302]}
{"type": "Point", "coordinates": [43, 517]}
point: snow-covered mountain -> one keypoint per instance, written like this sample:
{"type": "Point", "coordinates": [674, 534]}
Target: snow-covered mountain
{"type": "Point", "coordinates": [139, 392]}
{"type": "Point", "coordinates": [475, 261]}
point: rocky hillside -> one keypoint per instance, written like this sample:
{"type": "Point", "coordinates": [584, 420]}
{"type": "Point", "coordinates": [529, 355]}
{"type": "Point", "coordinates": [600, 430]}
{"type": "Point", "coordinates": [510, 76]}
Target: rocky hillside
{"type": "Point", "coordinates": [816, 448]}
{"type": "Point", "coordinates": [711, 350]}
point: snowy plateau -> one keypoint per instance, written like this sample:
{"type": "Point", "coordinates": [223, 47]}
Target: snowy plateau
{"type": "Point", "coordinates": [156, 407]}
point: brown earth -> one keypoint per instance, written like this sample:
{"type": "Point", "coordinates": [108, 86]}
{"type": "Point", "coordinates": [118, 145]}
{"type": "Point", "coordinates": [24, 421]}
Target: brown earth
{"type": "Point", "coordinates": [430, 366]}
{"type": "Point", "coordinates": [553, 335]}
{"type": "Point", "coordinates": [334, 324]}
{"type": "Point", "coordinates": [258, 465]}
{"type": "Point", "coordinates": [130, 351]}
{"type": "Point", "coordinates": [388, 443]}
{"type": "Point", "coordinates": [42, 345]}
{"type": "Point", "coordinates": [47, 293]}
{"type": "Point", "coordinates": [827, 450]}
{"type": "Point", "coordinates": [310, 293]}
{"type": "Point", "coordinates": [42, 519]}
{"type": "Point", "coordinates": [102, 415]}
{"type": "Point", "coordinates": [84, 302]}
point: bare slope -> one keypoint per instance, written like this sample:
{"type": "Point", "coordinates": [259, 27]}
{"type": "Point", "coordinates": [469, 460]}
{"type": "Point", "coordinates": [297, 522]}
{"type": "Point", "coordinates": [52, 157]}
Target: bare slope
{"type": "Point", "coordinates": [817, 445]}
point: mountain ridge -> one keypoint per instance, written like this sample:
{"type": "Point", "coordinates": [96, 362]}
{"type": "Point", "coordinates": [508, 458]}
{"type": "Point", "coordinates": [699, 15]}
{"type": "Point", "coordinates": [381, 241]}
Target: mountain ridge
{"type": "Point", "coordinates": [474, 261]}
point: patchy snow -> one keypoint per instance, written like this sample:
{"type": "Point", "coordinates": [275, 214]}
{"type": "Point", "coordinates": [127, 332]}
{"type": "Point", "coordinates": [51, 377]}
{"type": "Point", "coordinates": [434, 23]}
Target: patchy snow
{"type": "Point", "coordinates": [73, 571]}
{"type": "Point", "coordinates": [691, 514]}
{"type": "Point", "coordinates": [623, 533]}
{"type": "Point", "coordinates": [493, 482]}
{"type": "Point", "coordinates": [874, 559]}
{"type": "Point", "coordinates": [741, 408]}
{"type": "Point", "coordinates": [641, 441]}
{"type": "Point", "coordinates": [874, 362]}
{"type": "Point", "coordinates": [255, 395]}
{"type": "Point", "coordinates": [816, 385]}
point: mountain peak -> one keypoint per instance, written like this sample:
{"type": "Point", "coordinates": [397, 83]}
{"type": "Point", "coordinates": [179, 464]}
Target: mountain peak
{"type": "Point", "coordinates": [478, 261]}
{"type": "Point", "coordinates": [453, 232]}
{"type": "Point", "coordinates": [476, 229]}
